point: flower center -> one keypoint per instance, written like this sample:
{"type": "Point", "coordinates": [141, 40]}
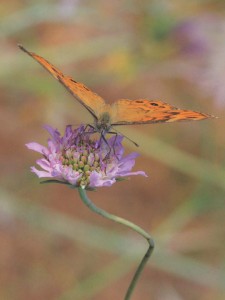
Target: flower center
{"type": "Point", "coordinates": [83, 159]}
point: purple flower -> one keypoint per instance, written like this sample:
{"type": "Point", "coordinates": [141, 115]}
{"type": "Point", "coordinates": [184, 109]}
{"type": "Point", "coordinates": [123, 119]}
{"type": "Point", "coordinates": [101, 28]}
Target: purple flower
{"type": "Point", "coordinates": [191, 36]}
{"type": "Point", "coordinates": [79, 160]}
{"type": "Point", "coordinates": [202, 44]}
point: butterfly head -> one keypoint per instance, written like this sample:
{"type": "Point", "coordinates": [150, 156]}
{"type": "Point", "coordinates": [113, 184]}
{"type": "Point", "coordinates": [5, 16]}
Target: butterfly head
{"type": "Point", "coordinates": [103, 123]}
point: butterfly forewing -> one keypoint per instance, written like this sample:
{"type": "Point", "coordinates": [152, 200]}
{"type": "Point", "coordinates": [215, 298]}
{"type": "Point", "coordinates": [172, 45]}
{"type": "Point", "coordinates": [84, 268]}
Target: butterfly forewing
{"type": "Point", "coordinates": [143, 111]}
{"type": "Point", "coordinates": [84, 95]}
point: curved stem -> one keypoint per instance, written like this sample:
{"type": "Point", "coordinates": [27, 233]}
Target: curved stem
{"type": "Point", "coordinates": [129, 224]}
{"type": "Point", "coordinates": [139, 269]}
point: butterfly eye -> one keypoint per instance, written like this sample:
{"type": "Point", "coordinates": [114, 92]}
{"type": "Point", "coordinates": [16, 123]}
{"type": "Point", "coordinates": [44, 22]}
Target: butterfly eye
{"type": "Point", "coordinates": [154, 104]}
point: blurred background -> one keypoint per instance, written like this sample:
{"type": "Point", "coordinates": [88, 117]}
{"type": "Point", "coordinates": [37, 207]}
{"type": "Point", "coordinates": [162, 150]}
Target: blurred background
{"type": "Point", "coordinates": [51, 245]}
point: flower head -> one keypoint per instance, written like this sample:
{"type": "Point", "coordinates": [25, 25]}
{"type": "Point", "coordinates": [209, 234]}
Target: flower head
{"type": "Point", "coordinates": [79, 160]}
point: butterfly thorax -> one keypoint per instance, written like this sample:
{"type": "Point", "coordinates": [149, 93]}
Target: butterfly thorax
{"type": "Point", "coordinates": [103, 123]}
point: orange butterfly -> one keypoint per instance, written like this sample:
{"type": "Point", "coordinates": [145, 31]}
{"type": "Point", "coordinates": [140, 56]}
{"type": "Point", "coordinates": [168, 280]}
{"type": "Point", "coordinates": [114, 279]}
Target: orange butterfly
{"type": "Point", "coordinates": [121, 112]}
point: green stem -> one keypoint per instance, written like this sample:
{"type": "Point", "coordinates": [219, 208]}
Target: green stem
{"type": "Point", "coordinates": [129, 224]}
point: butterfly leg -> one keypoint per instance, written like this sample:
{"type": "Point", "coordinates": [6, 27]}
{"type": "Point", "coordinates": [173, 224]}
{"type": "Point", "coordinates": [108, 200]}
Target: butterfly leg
{"type": "Point", "coordinates": [114, 142]}
{"type": "Point", "coordinates": [102, 138]}
{"type": "Point", "coordinates": [89, 126]}
{"type": "Point", "coordinates": [113, 145]}
{"type": "Point", "coordinates": [86, 130]}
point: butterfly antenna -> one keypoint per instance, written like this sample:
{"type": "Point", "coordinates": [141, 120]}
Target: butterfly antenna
{"type": "Point", "coordinates": [126, 137]}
